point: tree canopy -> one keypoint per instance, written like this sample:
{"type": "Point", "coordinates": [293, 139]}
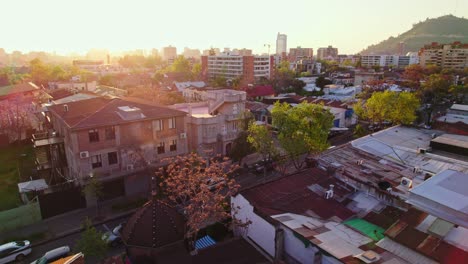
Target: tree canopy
{"type": "Point", "coordinates": [399, 108]}
{"type": "Point", "coordinates": [90, 242]}
{"type": "Point", "coordinates": [302, 129]}
{"type": "Point", "coordinates": [201, 187]}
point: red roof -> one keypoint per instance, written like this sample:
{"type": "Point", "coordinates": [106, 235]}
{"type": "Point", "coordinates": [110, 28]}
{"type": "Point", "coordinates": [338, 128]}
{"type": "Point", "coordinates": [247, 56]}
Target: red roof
{"type": "Point", "coordinates": [291, 194]}
{"type": "Point", "coordinates": [59, 93]}
{"type": "Point", "coordinates": [102, 111]}
{"type": "Point", "coordinates": [260, 91]}
{"type": "Point", "coordinates": [405, 233]}
{"type": "Point", "coordinates": [327, 102]}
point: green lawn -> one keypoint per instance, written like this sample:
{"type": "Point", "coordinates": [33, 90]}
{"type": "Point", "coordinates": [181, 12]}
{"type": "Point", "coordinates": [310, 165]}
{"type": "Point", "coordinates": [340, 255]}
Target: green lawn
{"type": "Point", "coordinates": [10, 161]}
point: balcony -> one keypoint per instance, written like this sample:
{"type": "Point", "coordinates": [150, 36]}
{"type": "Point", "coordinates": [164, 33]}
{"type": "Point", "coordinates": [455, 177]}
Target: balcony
{"type": "Point", "coordinates": [232, 117]}
{"type": "Point", "coordinates": [46, 138]}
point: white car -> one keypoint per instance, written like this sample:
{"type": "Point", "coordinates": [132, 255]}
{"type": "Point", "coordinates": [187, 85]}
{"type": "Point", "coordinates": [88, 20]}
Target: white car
{"type": "Point", "coordinates": [14, 251]}
{"type": "Point", "coordinates": [112, 238]}
{"type": "Point", "coordinates": [53, 255]}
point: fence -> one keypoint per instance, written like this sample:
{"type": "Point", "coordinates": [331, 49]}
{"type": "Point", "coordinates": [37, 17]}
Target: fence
{"type": "Point", "coordinates": [20, 216]}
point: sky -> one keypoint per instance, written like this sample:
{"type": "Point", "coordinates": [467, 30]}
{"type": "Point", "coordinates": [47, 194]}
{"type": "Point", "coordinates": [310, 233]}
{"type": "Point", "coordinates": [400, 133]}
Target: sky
{"type": "Point", "coordinates": [76, 26]}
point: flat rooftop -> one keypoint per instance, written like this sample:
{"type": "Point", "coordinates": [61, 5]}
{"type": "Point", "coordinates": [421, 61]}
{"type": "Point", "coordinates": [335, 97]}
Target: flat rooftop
{"type": "Point", "coordinates": [444, 195]}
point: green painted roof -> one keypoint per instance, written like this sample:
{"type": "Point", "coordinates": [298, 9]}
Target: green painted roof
{"type": "Point", "coordinates": [368, 229]}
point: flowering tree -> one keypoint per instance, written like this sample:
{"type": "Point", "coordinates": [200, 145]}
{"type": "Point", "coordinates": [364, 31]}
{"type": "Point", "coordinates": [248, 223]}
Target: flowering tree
{"type": "Point", "coordinates": [201, 189]}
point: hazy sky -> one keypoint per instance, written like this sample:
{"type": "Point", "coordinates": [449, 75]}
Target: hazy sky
{"type": "Point", "coordinates": [351, 25]}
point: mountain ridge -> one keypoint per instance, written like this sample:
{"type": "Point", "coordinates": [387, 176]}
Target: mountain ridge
{"type": "Point", "coordinates": [444, 29]}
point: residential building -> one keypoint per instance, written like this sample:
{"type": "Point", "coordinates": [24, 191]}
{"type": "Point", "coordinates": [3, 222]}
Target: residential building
{"type": "Point", "coordinates": [72, 85]}
{"type": "Point", "coordinates": [353, 59]}
{"type": "Point", "coordinates": [281, 44]}
{"type": "Point", "coordinates": [388, 60]}
{"type": "Point", "coordinates": [169, 53]}
{"type": "Point", "coordinates": [192, 53]}
{"type": "Point", "coordinates": [232, 65]}
{"type": "Point", "coordinates": [399, 190]}
{"type": "Point", "coordinates": [454, 56]}
{"type": "Point", "coordinates": [328, 53]}
{"type": "Point", "coordinates": [363, 77]}
{"type": "Point", "coordinates": [111, 138]}
{"type": "Point", "coordinates": [244, 52]}
{"type": "Point", "coordinates": [304, 65]}
{"type": "Point", "coordinates": [215, 121]}
{"type": "Point", "coordinates": [298, 53]}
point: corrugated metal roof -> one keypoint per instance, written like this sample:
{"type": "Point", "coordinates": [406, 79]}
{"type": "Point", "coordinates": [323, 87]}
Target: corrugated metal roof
{"type": "Point", "coordinates": [404, 252]}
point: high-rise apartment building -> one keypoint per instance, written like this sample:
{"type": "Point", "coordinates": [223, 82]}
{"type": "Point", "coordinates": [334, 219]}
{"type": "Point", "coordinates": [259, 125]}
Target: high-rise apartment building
{"type": "Point", "coordinates": [300, 53]}
{"type": "Point", "coordinates": [281, 44]}
{"type": "Point", "coordinates": [453, 55]}
{"type": "Point", "coordinates": [169, 53]}
{"type": "Point", "coordinates": [389, 60]}
{"type": "Point", "coordinates": [328, 53]}
{"type": "Point", "coordinates": [233, 65]}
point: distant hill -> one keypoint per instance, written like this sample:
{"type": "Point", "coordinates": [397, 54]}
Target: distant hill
{"type": "Point", "coordinates": [445, 29]}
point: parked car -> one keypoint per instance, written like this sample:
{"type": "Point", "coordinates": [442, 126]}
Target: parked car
{"type": "Point", "coordinates": [53, 255]}
{"type": "Point", "coordinates": [113, 238]}
{"type": "Point", "coordinates": [14, 251]}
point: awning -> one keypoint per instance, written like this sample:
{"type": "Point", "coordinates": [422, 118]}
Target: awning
{"type": "Point", "coordinates": [36, 185]}
{"type": "Point", "coordinates": [204, 242]}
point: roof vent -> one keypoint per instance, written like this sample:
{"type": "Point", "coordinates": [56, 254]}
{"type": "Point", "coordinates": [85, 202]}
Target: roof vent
{"type": "Point", "coordinates": [65, 108]}
{"type": "Point", "coordinates": [368, 256]}
{"type": "Point", "coordinates": [329, 193]}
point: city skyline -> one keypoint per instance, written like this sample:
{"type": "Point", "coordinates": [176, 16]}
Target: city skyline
{"type": "Point", "coordinates": [351, 26]}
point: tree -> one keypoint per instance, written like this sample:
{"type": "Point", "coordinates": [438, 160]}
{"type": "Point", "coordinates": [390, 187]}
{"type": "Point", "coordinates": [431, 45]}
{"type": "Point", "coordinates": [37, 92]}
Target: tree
{"type": "Point", "coordinates": [398, 108]}
{"type": "Point", "coordinates": [196, 71]}
{"type": "Point", "coordinates": [40, 72]}
{"type": "Point", "coordinates": [262, 141]}
{"type": "Point", "coordinates": [93, 190]}
{"type": "Point", "coordinates": [302, 129]}
{"type": "Point", "coordinates": [321, 82]}
{"type": "Point", "coordinates": [435, 88]}
{"type": "Point", "coordinates": [15, 117]}
{"type": "Point", "coordinates": [241, 147]}
{"type": "Point", "coordinates": [459, 92]}
{"type": "Point", "coordinates": [90, 242]}
{"type": "Point", "coordinates": [413, 74]}
{"type": "Point", "coordinates": [201, 189]}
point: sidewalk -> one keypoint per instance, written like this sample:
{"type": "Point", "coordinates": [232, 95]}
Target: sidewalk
{"type": "Point", "coordinates": [70, 223]}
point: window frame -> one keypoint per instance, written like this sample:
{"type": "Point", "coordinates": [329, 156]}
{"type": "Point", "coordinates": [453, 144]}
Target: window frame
{"type": "Point", "coordinates": [172, 123]}
{"type": "Point", "coordinates": [98, 163]}
{"type": "Point", "coordinates": [161, 148]}
{"type": "Point", "coordinates": [159, 125]}
{"type": "Point", "coordinates": [93, 135]}
{"type": "Point", "coordinates": [109, 158]}
{"type": "Point", "coordinates": [107, 133]}
{"type": "Point", "coordinates": [173, 145]}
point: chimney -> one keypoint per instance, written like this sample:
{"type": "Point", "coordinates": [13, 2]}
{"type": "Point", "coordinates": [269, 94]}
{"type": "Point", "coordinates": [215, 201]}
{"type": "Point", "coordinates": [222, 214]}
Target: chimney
{"type": "Point", "coordinates": [65, 108]}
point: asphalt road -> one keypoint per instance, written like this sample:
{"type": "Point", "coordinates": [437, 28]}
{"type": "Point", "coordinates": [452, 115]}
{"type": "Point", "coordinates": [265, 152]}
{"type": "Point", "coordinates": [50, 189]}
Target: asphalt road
{"type": "Point", "coordinates": [71, 240]}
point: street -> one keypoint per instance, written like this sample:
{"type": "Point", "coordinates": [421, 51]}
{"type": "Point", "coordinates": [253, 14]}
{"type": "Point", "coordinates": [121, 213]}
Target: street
{"type": "Point", "coordinates": [71, 240]}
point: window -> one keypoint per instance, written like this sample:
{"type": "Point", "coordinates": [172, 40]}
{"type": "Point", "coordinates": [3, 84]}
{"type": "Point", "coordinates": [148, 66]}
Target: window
{"type": "Point", "coordinates": [110, 133]}
{"type": "Point", "coordinates": [173, 146]}
{"type": "Point", "coordinates": [112, 157]}
{"type": "Point", "coordinates": [158, 125]}
{"type": "Point", "coordinates": [161, 148]}
{"type": "Point", "coordinates": [172, 123]}
{"type": "Point", "coordinates": [93, 135]}
{"type": "Point", "coordinates": [96, 161]}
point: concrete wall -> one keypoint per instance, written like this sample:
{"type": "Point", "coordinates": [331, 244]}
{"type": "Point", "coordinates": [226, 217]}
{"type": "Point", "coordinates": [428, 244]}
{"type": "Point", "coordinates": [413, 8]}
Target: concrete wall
{"type": "Point", "coordinates": [260, 231]}
{"type": "Point", "coordinates": [296, 248]}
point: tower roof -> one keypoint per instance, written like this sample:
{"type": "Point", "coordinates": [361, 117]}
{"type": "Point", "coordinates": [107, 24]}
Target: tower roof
{"type": "Point", "coordinates": [154, 225]}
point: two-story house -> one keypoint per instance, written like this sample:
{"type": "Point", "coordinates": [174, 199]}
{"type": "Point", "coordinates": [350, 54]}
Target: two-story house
{"type": "Point", "coordinates": [113, 139]}
{"type": "Point", "coordinates": [214, 123]}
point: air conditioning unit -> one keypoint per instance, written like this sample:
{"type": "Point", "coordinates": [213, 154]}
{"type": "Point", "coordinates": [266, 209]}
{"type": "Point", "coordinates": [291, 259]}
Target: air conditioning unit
{"type": "Point", "coordinates": [183, 135]}
{"type": "Point", "coordinates": [130, 167]}
{"type": "Point", "coordinates": [417, 170]}
{"type": "Point", "coordinates": [84, 154]}
{"type": "Point", "coordinates": [406, 182]}
{"type": "Point", "coordinates": [424, 150]}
